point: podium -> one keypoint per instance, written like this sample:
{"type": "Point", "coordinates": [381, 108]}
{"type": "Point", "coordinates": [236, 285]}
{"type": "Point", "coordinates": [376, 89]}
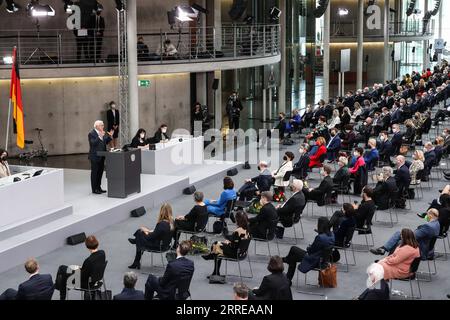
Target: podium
{"type": "Point", "coordinates": [123, 172]}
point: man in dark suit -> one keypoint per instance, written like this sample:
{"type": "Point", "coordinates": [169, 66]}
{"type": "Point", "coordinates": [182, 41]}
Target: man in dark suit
{"type": "Point", "coordinates": [129, 292]}
{"type": "Point", "coordinates": [98, 140]}
{"type": "Point", "coordinates": [301, 168]}
{"type": "Point", "coordinates": [333, 146]}
{"type": "Point", "coordinates": [37, 287]}
{"type": "Point", "coordinates": [385, 189]}
{"type": "Point", "coordinates": [402, 175]}
{"type": "Point", "coordinates": [430, 158]}
{"type": "Point", "coordinates": [324, 189]}
{"type": "Point", "coordinates": [174, 284]}
{"type": "Point", "coordinates": [113, 121]}
{"type": "Point", "coordinates": [397, 139]}
{"type": "Point", "coordinates": [258, 184]}
{"type": "Point", "coordinates": [291, 210]}
{"type": "Point", "coordinates": [385, 148]}
{"type": "Point", "coordinates": [263, 225]}
{"type": "Point", "coordinates": [98, 25]}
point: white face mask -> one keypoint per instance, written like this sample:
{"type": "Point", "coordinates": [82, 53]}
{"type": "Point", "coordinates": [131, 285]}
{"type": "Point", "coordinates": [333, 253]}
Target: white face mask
{"type": "Point", "coordinates": [142, 135]}
{"type": "Point", "coordinates": [113, 106]}
{"type": "Point", "coordinates": [164, 130]}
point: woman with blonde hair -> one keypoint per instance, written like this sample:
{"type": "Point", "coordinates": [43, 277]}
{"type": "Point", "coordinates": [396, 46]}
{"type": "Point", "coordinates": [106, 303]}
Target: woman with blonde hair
{"type": "Point", "coordinates": [416, 165]}
{"type": "Point", "coordinates": [158, 239]}
{"type": "Point", "coordinates": [335, 120]}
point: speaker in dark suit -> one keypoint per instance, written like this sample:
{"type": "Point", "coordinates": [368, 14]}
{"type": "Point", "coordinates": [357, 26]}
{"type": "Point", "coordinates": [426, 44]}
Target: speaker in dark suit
{"type": "Point", "coordinates": [98, 140]}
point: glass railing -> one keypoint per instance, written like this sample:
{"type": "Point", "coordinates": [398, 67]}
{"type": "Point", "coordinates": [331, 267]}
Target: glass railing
{"type": "Point", "coordinates": [56, 48]}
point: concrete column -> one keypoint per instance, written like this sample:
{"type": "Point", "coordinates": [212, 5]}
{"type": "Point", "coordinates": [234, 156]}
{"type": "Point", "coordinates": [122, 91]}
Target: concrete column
{"type": "Point", "coordinates": [360, 46]}
{"type": "Point", "coordinates": [282, 89]}
{"type": "Point", "coordinates": [133, 91]}
{"type": "Point", "coordinates": [426, 58]}
{"type": "Point", "coordinates": [202, 87]}
{"type": "Point", "coordinates": [218, 102]}
{"type": "Point", "coordinates": [296, 50]}
{"type": "Point", "coordinates": [440, 30]}
{"type": "Point", "coordinates": [326, 53]}
{"type": "Point", "coordinates": [218, 25]}
{"type": "Point", "coordinates": [387, 53]}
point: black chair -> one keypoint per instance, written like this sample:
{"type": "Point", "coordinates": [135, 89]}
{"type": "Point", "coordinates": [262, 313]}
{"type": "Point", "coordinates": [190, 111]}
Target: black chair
{"type": "Point", "coordinates": [366, 230]}
{"type": "Point", "coordinates": [267, 240]}
{"type": "Point", "coordinates": [198, 229]}
{"type": "Point", "coordinates": [95, 282]}
{"type": "Point", "coordinates": [429, 273]}
{"type": "Point", "coordinates": [445, 241]}
{"type": "Point", "coordinates": [229, 207]}
{"type": "Point", "coordinates": [392, 211]}
{"type": "Point", "coordinates": [241, 255]}
{"type": "Point", "coordinates": [413, 271]}
{"type": "Point", "coordinates": [162, 249]}
{"type": "Point", "coordinates": [347, 245]}
{"type": "Point", "coordinates": [182, 289]}
{"type": "Point", "coordinates": [324, 262]}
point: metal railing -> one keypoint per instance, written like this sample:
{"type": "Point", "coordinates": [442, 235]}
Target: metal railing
{"type": "Point", "coordinates": [55, 48]}
{"type": "Point", "coordinates": [406, 28]}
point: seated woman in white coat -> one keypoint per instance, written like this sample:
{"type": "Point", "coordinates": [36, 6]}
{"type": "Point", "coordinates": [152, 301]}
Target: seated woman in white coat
{"type": "Point", "coordinates": [278, 175]}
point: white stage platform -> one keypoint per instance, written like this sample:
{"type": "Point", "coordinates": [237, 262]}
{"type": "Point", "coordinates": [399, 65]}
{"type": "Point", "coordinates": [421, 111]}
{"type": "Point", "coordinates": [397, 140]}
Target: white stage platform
{"type": "Point", "coordinates": [92, 213]}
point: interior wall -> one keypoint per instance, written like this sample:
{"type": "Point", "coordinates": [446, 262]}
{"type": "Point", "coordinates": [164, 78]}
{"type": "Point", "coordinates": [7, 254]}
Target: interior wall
{"type": "Point", "coordinates": [67, 108]}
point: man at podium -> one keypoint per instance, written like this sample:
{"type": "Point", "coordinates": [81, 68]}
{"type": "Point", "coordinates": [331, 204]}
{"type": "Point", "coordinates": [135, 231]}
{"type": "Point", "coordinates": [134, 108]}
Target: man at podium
{"type": "Point", "coordinates": [98, 140]}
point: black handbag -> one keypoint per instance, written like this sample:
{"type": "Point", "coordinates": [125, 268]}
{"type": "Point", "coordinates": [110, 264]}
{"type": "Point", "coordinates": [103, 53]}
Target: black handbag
{"type": "Point", "coordinates": [279, 232]}
{"type": "Point", "coordinates": [99, 295]}
{"type": "Point", "coordinates": [217, 279]}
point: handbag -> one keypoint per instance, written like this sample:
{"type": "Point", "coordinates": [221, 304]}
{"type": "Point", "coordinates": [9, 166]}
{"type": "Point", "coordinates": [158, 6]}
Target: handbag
{"type": "Point", "coordinates": [100, 295]}
{"type": "Point", "coordinates": [328, 277]}
{"type": "Point", "coordinates": [217, 279]}
{"type": "Point", "coordinates": [279, 232]}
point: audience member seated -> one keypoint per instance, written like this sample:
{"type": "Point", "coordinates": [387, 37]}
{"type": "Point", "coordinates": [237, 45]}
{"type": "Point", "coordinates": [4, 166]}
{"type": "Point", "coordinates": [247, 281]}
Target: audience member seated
{"type": "Point", "coordinates": [195, 220]}
{"type": "Point", "coordinates": [291, 210]}
{"type": "Point", "coordinates": [230, 246]}
{"type": "Point", "coordinates": [296, 120]}
{"type": "Point", "coordinates": [359, 162]}
{"type": "Point", "coordinates": [279, 174]}
{"type": "Point", "coordinates": [4, 167]}
{"type": "Point", "coordinates": [385, 189]}
{"type": "Point", "coordinates": [37, 287]}
{"type": "Point", "coordinates": [275, 286]}
{"type": "Point", "coordinates": [365, 210]}
{"type": "Point", "coordinates": [416, 166]}
{"type": "Point", "coordinates": [90, 267]}
{"type": "Point", "coordinates": [375, 274]}
{"type": "Point", "coordinates": [348, 138]}
{"type": "Point", "coordinates": [341, 176]}
{"type": "Point", "coordinates": [167, 49]}
{"type": "Point", "coordinates": [410, 133]}
{"type": "Point", "coordinates": [143, 52]}
{"type": "Point", "coordinates": [300, 170]}
{"type": "Point", "coordinates": [263, 225]}
{"type": "Point", "coordinates": [310, 258]}
{"type": "Point", "coordinates": [240, 291]}
{"type": "Point", "coordinates": [398, 264]}
{"type": "Point", "coordinates": [430, 159]}
{"type": "Point", "coordinates": [129, 292]}
{"type": "Point", "coordinates": [321, 130]}
{"type": "Point", "coordinates": [333, 146]}
{"type": "Point", "coordinates": [423, 234]}
{"type": "Point", "coordinates": [316, 157]}
{"type": "Point", "coordinates": [443, 206]}
{"type": "Point", "coordinates": [372, 156]}
{"type": "Point", "coordinates": [176, 278]}
{"type": "Point", "coordinates": [253, 187]}
{"type": "Point", "coordinates": [385, 149]}
{"type": "Point", "coordinates": [402, 177]}
{"type": "Point", "coordinates": [140, 140]}
{"type": "Point", "coordinates": [397, 139]}
{"type": "Point", "coordinates": [342, 222]}
{"type": "Point", "coordinates": [217, 207]}
{"type": "Point", "coordinates": [158, 239]}
{"type": "Point", "coordinates": [323, 190]}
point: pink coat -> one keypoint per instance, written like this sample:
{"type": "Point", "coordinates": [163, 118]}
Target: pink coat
{"type": "Point", "coordinates": [397, 264]}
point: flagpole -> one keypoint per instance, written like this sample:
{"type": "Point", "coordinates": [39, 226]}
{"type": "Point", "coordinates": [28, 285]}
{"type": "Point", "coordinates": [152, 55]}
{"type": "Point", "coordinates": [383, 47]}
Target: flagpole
{"type": "Point", "coordinates": [7, 125]}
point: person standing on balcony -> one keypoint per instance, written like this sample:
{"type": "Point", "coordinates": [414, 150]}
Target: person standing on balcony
{"type": "Point", "coordinates": [97, 41]}
{"type": "Point", "coordinates": [234, 108]}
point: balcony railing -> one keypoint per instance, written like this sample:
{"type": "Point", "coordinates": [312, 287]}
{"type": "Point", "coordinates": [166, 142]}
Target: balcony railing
{"type": "Point", "coordinates": [58, 48]}
{"type": "Point", "coordinates": [406, 28]}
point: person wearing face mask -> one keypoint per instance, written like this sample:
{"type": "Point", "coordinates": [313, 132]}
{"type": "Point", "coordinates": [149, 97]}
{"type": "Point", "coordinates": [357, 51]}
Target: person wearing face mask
{"type": "Point", "coordinates": [385, 148]}
{"type": "Point", "coordinates": [348, 138]}
{"type": "Point", "coordinates": [358, 176]}
{"type": "Point", "coordinates": [371, 157]}
{"type": "Point", "coordinates": [140, 140]}
{"type": "Point", "coordinates": [4, 167]}
{"type": "Point", "coordinates": [300, 170]}
{"type": "Point", "coordinates": [326, 186]}
{"type": "Point", "coordinates": [113, 122]}
{"type": "Point", "coordinates": [256, 185]}
{"type": "Point", "coordinates": [318, 156]}
{"type": "Point", "coordinates": [279, 174]}
{"type": "Point", "coordinates": [375, 274]}
{"type": "Point", "coordinates": [397, 139]}
{"type": "Point", "coordinates": [333, 146]}
{"type": "Point", "coordinates": [161, 135]}
{"type": "Point", "coordinates": [263, 225]}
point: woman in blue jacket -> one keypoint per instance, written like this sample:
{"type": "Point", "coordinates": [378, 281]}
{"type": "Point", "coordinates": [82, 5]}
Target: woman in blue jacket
{"type": "Point", "coordinates": [217, 207]}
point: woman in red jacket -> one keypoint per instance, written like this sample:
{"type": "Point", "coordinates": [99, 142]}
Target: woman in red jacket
{"type": "Point", "coordinates": [358, 154]}
{"type": "Point", "coordinates": [314, 160]}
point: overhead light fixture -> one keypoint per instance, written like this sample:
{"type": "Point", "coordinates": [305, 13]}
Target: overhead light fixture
{"type": "Point", "coordinates": [11, 6]}
{"type": "Point", "coordinates": [35, 9]}
{"type": "Point", "coordinates": [274, 14]}
{"type": "Point", "coordinates": [8, 60]}
{"type": "Point", "coordinates": [342, 12]}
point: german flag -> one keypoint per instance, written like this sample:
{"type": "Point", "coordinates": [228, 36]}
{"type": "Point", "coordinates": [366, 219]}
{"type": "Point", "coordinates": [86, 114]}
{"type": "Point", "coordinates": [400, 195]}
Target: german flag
{"type": "Point", "coordinates": [16, 101]}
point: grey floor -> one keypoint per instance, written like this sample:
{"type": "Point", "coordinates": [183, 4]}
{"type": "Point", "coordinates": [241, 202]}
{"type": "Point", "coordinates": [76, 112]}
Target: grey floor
{"type": "Point", "coordinates": [350, 284]}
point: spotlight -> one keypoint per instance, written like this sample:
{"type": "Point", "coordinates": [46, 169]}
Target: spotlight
{"type": "Point", "coordinates": [274, 14]}
{"type": "Point", "coordinates": [35, 9]}
{"type": "Point", "coordinates": [342, 12]}
{"type": "Point", "coordinates": [8, 60]}
{"type": "Point", "coordinates": [185, 13]}
{"type": "Point", "coordinates": [199, 8]}
{"type": "Point", "coordinates": [11, 6]}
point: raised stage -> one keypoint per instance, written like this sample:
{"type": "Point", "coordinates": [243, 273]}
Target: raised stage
{"type": "Point", "coordinates": [91, 213]}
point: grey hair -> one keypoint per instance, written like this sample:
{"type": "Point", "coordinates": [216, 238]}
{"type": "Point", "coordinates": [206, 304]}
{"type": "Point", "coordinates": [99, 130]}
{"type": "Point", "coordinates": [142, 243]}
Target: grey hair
{"type": "Point", "coordinates": [387, 171]}
{"type": "Point", "coordinates": [297, 184]}
{"type": "Point", "coordinates": [198, 196]}
{"type": "Point", "coordinates": [267, 194]}
{"type": "Point", "coordinates": [97, 123]}
{"type": "Point", "coordinates": [129, 280]}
